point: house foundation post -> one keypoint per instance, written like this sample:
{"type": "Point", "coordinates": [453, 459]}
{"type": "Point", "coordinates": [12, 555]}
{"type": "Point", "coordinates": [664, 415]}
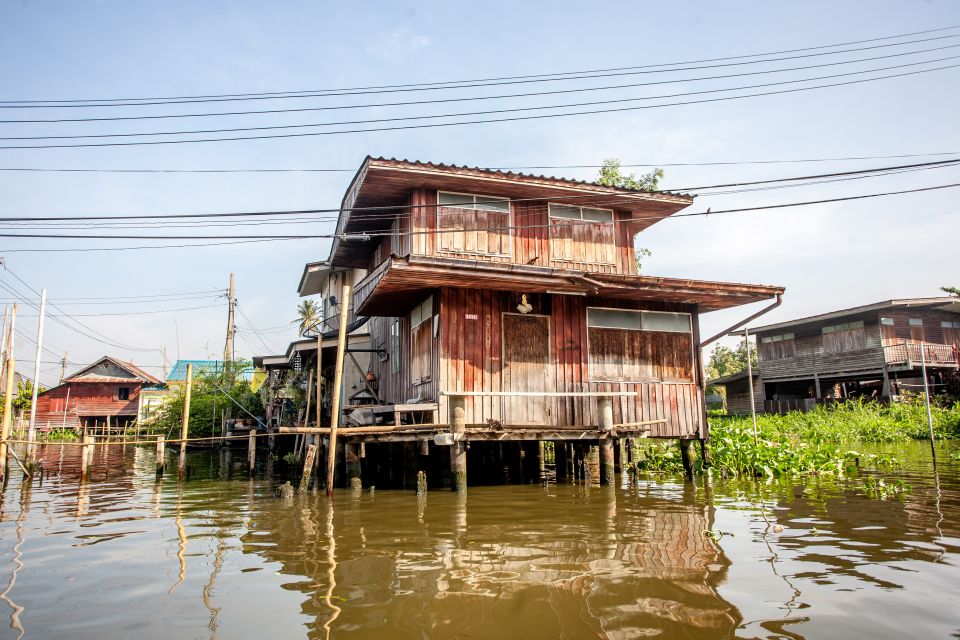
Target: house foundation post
{"type": "Point", "coordinates": [458, 450]}
{"type": "Point", "coordinates": [560, 459]}
{"type": "Point", "coordinates": [352, 459]}
{"type": "Point", "coordinates": [605, 411]}
{"type": "Point", "coordinates": [686, 456]}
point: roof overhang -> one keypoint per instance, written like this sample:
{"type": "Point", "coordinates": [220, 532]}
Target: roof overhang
{"type": "Point", "coordinates": [399, 283]}
{"type": "Point", "coordinates": [311, 282]}
{"type": "Point", "coordinates": [270, 362]}
{"type": "Point", "coordinates": [382, 187]}
{"type": "Point", "coordinates": [940, 303]}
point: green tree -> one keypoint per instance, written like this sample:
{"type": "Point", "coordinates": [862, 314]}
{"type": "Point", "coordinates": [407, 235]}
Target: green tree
{"type": "Point", "coordinates": [612, 176]}
{"type": "Point", "coordinates": [309, 313]}
{"type": "Point", "coordinates": [725, 361]}
{"type": "Point", "coordinates": [210, 396]}
{"type": "Point", "coordinates": [954, 291]}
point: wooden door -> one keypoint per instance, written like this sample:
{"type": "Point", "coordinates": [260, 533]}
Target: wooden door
{"type": "Point", "coordinates": [526, 368]}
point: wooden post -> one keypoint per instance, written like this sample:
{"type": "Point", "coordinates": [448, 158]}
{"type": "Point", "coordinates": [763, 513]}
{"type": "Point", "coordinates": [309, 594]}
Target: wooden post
{"type": "Point", "coordinates": [753, 406]}
{"type": "Point", "coordinates": [252, 452]}
{"type": "Point", "coordinates": [307, 467]}
{"type": "Point", "coordinates": [560, 460]}
{"type": "Point", "coordinates": [161, 455]}
{"type": "Point", "coordinates": [337, 387]}
{"type": "Point", "coordinates": [7, 415]}
{"type": "Point", "coordinates": [319, 400]}
{"type": "Point", "coordinates": [185, 427]}
{"type": "Point", "coordinates": [86, 456]}
{"type": "Point", "coordinates": [309, 394]}
{"type": "Point", "coordinates": [458, 450]}
{"type": "Point", "coordinates": [926, 396]}
{"type": "Point", "coordinates": [605, 411]}
{"type": "Point", "coordinates": [351, 451]}
{"type": "Point", "coordinates": [32, 430]}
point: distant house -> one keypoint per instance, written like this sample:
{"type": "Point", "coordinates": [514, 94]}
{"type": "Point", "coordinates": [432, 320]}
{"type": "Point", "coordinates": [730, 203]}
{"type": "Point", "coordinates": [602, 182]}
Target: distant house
{"type": "Point", "coordinates": [738, 392]}
{"type": "Point", "coordinates": [105, 393]}
{"type": "Point", "coordinates": [213, 368]}
{"type": "Point", "coordinates": [870, 351]}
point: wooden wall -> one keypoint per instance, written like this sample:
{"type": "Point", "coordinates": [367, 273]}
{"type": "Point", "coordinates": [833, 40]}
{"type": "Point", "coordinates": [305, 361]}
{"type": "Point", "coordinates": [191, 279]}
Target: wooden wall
{"type": "Point", "coordinates": [86, 399]}
{"type": "Point", "coordinates": [531, 239]}
{"type": "Point", "coordinates": [810, 356]}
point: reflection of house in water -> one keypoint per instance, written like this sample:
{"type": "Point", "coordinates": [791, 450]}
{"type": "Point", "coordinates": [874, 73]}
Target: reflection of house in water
{"type": "Point", "coordinates": [626, 566]}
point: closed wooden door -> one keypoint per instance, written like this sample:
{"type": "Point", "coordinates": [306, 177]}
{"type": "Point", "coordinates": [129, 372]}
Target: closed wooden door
{"type": "Point", "coordinates": [526, 368]}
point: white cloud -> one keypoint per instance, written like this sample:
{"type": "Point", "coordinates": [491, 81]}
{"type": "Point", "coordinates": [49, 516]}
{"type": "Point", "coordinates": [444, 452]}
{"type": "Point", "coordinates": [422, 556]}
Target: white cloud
{"type": "Point", "coordinates": [398, 44]}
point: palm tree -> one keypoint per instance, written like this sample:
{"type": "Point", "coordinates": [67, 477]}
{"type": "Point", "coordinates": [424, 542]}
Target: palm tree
{"type": "Point", "coordinates": [310, 313]}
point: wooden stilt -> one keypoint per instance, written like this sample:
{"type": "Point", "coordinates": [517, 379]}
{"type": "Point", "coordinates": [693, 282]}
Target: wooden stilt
{"type": "Point", "coordinates": [86, 456]}
{"type": "Point", "coordinates": [161, 455]}
{"type": "Point", "coordinates": [185, 425]}
{"type": "Point", "coordinates": [251, 452]}
{"type": "Point", "coordinates": [560, 460]}
{"type": "Point", "coordinates": [352, 460]}
{"type": "Point", "coordinates": [686, 456]}
{"type": "Point", "coordinates": [337, 386]}
{"type": "Point", "coordinates": [307, 467]}
{"type": "Point", "coordinates": [7, 416]}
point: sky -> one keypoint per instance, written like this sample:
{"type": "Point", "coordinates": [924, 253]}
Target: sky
{"type": "Point", "coordinates": [828, 256]}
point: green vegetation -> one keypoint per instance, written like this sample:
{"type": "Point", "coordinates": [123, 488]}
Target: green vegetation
{"type": "Point", "coordinates": [209, 394]}
{"type": "Point", "coordinates": [612, 176]}
{"type": "Point", "coordinates": [815, 443]}
{"type": "Point", "coordinates": [954, 291]}
{"type": "Point", "coordinates": [308, 315]}
{"type": "Point", "coordinates": [23, 400]}
{"type": "Point", "coordinates": [62, 435]}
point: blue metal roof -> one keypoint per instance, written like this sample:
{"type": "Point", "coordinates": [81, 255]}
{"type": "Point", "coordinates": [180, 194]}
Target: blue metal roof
{"type": "Point", "coordinates": [210, 367]}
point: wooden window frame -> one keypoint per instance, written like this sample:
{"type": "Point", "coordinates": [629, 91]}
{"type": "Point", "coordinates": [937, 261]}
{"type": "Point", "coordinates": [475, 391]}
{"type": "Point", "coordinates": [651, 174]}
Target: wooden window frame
{"type": "Point", "coordinates": [424, 377]}
{"type": "Point", "coordinates": [843, 327]}
{"type": "Point", "coordinates": [507, 237]}
{"type": "Point", "coordinates": [120, 391]}
{"type": "Point", "coordinates": [551, 225]}
{"type": "Point", "coordinates": [590, 364]}
{"type": "Point", "coordinates": [779, 338]}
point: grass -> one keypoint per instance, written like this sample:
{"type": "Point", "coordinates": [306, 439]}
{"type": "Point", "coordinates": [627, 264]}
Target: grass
{"type": "Point", "coordinates": [62, 435]}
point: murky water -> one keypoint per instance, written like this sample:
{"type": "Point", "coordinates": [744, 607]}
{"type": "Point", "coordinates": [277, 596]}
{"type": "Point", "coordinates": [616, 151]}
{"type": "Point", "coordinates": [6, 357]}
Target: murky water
{"type": "Point", "coordinates": [220, 556]}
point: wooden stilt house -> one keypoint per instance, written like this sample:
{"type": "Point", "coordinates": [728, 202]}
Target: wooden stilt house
{"type": "Point", "coordinates": [519, 297]}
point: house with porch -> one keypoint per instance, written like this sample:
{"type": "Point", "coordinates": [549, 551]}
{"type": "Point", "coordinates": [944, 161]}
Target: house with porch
{"type": "Point", "coordinates": [102, 396]}
{"type": "Point", "coordinates": [511, 304]}
{"type": "Point", "coordinates": [878, 351]}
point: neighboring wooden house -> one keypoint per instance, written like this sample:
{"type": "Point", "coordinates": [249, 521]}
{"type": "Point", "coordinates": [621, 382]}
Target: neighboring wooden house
{"type": "Point", "coordinates": [105, 394]}
{"type": "Point", "coordinates": [871, 351]}
{"type": "Point", "coordinates": [521, 294]}
{"type": "Point", "coordinates": [737, 402]}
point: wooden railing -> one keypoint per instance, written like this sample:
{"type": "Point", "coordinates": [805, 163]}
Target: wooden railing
{"type": "Point", "coordinates": [908, 353]}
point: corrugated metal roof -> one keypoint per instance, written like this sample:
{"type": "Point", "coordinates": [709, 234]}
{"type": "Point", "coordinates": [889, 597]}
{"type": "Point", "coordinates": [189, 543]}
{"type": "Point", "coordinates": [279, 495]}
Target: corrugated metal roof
{"type": "Point", "coordinates": [209, 367]}
{"type": "Point", "coordinates": [519, 174]}
{"type": "Point", "coordinates": [945, 303]}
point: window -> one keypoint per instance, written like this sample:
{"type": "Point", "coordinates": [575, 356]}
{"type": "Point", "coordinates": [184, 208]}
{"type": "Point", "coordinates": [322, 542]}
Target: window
{"type": "Point", "coordinates": [395, 346]}
{"type": "Point", "coordinates": [778, 347]}
{"type": "Point", "coordinates": [848, 336]}
{"type": "Point", "coordinates": [626, 345]}
{"type": "Point", "coordinates": [582, 235]}
{"type": "Point", "coordinates": [123, 393]}
{"type": "Point", "coordinates": [947, 324]}
{"type": "Point", "coordinates": [473, 224]}
{"type": "Point", "coordinates": [421, 342]}
{"type": "Point", "coordinates": [916, 329]}
{"type": "Point", "coordinates": [887, 321]}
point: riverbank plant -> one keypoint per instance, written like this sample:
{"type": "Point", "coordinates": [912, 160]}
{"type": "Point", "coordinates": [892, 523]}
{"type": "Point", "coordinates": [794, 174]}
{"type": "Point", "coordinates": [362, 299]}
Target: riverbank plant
{"type": "Point", "coordinates": [61, 435]}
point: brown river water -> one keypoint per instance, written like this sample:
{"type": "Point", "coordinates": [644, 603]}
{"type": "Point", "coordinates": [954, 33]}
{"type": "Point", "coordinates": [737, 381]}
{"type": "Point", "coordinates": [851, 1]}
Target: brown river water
{"type": "Point", "coordinates": [123, 555]}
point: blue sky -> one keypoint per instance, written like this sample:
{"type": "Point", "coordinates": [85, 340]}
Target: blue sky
{"type": "Point", "coordinates": [827, 256]}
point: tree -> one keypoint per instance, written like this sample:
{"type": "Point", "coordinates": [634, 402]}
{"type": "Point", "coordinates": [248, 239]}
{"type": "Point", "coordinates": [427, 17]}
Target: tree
{"type": "Point", "coordinates": [612, 176]}
{"type": "Point", "coordinates": [208, 400]}
{"type": "Point", "coordinates": [954, 291]}
{"type": "Point", "coordinates": [725, 361]}
{"type": "Point", "coordinates": [309, 312]}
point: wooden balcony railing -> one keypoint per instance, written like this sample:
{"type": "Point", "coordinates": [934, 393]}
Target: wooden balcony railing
{"type": "Point", "coordinates": [908, 353]}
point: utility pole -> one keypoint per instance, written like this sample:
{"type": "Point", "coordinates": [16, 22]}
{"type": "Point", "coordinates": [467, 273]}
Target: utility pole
{"type": "Point", "coordinates": [7, 398]}
{"type": "Point", "coordinates": [3, 340]}
{"type": "Point", "coordinates": [163, 352]}
{"type": "Point", "coordinates": [231, 328]}
{"type": "Point", "coordinates": [63, 367]}
{"type": "Point", "coordinates": [32, 430]}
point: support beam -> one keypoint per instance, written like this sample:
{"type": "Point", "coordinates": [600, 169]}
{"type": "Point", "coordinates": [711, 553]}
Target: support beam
{"type": "Point", "coordinates": [185, 426]}
{"type": "Point", "coordinates": [337, 387]}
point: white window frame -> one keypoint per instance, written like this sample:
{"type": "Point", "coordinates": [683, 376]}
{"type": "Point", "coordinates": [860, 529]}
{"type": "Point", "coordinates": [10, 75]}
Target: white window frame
{"type": "Point", "coordinates": [478, 207]}
{"type": "Point", "coordinates": [949, 324]}
{"type": "Point", "coordinates": [551, 205]}
{"type": "Point", "coordinates": [693, 361]}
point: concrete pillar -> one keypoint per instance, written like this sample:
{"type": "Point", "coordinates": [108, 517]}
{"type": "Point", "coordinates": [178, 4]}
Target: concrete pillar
{"type": "Point", "coordinates": [458, 450]}
{"type": "Point", "coordinates": [605, 412]}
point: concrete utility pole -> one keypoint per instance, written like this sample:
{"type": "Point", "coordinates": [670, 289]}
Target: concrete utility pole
{"type": "Point", "coordinates": [32, 431]}
{"type": "Point", "coordinates": [753, 406]}
{"type": "Point", "coordinates": [231, 328]}
{"type": "Point", "coordinates": [63, 367]}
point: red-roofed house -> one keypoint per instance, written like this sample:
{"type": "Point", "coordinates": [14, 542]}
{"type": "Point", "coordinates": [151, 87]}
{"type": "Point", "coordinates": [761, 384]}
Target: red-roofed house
{"type": "Point", "coordinates": [106, 393]}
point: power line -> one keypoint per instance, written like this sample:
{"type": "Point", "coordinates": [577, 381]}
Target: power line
{"type": "Point", "coordinates": [417, 118]}
{"type": "Point", "coordinates": [484, 121]}
{"type": "Point", "coordinates": [408, 103]}
{"type": "Point", "coordinates": [453, 84]}
{"type": "Point", "coordinates": [372, 234]}
{"type": "Point", "coordinates": [390, 211]}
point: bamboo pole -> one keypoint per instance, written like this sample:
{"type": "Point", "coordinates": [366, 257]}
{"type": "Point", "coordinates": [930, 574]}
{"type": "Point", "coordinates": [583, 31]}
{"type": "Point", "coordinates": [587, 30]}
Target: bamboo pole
{"type": "Point", "coordinates": [32, 430]}
{"type": "Point", "coordinates": [309, 394]}
{"type": "Point", "coordinates": [753, 407]}
{"type": "Point", "coordinates": [7, 411]}
{"type": "Point", "coordinates": [337, 386]}
{"type": "Point", "coordinates": [926, 395]}
{"type": "Point", "coordinates": [184, 429]}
